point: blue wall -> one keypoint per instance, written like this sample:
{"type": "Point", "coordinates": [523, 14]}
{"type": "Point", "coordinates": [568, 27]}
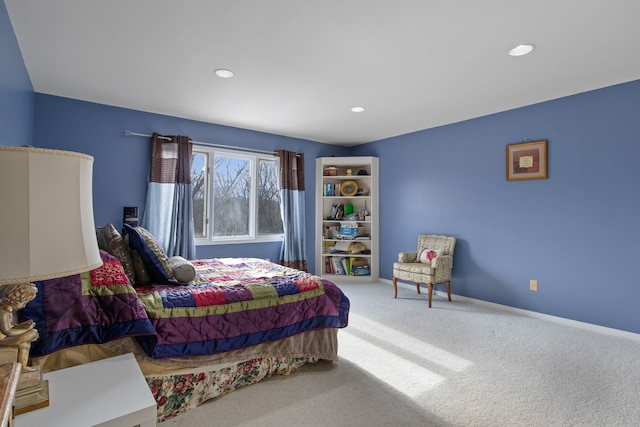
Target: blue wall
{"type": "Point", "coordinates": [121, 165]}
{"type": "Point", "coordinates": [576, 232]}
{"type": "Point", "coordinates": [16, 91]}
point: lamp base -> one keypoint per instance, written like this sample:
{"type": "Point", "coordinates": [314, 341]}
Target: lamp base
{"type": "Point", "coordinates": [32, 401]}
{"type": "Point", "coordinates": [32, 392]}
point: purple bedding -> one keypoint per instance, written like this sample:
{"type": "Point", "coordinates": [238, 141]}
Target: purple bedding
{"type": "Point", "coordinates": [89, 308]}
{"type": "Point", "coordinates": [233, 303]}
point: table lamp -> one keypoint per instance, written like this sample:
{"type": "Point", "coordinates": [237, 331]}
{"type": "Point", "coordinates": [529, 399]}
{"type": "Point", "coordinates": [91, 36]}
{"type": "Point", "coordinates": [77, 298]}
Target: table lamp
{"type": "Point", "coordinates": [46, 231]}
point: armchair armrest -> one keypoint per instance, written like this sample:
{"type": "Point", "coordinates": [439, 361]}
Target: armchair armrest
{"type": "Point", "coordinates": [441, 268]}
{"type": "Point", "coordinates": [408, 256]}
{"type": "Point", "coordinates": [444, 261]}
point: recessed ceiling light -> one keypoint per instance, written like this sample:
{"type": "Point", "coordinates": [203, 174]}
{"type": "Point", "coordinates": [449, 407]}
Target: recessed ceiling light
{"type": "Point", "coordinates": [357, 109]}
{"type": "Point", "coordinates": [521, 49]}
{"type": "Point", "coordinates": [225, 74]}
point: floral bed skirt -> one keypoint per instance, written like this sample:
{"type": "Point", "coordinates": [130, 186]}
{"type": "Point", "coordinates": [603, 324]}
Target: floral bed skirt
{"type": "Point", "coordinates": [183, 383]}
{"type": "Point", "coordinates": [178, 393]}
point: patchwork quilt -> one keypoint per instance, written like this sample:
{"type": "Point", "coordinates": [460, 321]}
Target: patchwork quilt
{"type": "Point", "coordinates": [231, 304]}
{"type": "Point", "coordinates": [235, 303]}
{"type": "Point", "coordinates": [89, 308]}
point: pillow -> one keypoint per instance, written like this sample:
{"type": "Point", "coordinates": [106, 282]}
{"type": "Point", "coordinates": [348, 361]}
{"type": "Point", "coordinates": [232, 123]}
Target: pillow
{"type": "Point", "coordinates": [427, 255]}
{"type": "Point", "coordinates": [183, 270]}
{"type": "Point", "coordinates": [151, 253]}
{"type": "Point", "coordinates": [142, 275]}
{"type": "Point", "coordinates": [111, 241]}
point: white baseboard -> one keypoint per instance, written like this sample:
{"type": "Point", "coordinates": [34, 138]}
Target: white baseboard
{"type": "Point", "coordinates": [529, 313]}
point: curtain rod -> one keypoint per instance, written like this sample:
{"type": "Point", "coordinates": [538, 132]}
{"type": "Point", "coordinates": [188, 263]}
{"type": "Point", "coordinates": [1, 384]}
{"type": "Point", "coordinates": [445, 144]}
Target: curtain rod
{"type": "Point", "coordinates": [211, 144]}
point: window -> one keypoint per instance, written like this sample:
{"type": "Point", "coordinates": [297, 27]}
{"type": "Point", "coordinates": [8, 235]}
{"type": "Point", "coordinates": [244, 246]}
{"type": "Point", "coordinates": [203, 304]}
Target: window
{"type": "Point", "coordinates": [235, 197]}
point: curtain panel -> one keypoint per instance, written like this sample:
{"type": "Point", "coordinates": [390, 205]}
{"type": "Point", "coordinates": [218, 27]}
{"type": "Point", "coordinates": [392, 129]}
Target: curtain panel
{"type": "Point", "coordinates": [290, 167]}
{"type": "Point", "coordinates": [168, 213]}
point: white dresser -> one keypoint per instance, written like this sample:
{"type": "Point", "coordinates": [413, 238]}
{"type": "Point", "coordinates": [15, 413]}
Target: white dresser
{"type": "Point", "coordinates": [108, 393]}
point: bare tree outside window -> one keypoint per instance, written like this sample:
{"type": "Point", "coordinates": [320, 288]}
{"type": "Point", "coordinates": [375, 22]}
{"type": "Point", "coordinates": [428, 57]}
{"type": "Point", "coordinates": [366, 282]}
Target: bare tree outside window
{"type": "Point", "coordinates": [231, 191]}
{"type": "Point", "coordinates": [223, 202]}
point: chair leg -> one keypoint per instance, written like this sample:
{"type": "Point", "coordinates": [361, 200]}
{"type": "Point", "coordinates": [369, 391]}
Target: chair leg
{"type": "Point", "coordinates": [418, 287]}
{"type": "Point", "coordinates": [430, 292]}
{"type": "Point", "coordinates": [395, 287]}
{"type": "Point", "coordinates": [449, 289]}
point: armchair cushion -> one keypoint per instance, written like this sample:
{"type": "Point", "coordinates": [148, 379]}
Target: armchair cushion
{"type": "Point", "coordinates": [427, 255]}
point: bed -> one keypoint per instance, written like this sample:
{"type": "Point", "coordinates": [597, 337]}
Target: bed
{"type": "Point", "coordinates": [237, 322]}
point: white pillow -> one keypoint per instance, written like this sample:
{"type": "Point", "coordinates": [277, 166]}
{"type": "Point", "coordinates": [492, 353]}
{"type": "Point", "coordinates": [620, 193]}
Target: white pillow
{"type": "Point", "coordinates": [428, 255]}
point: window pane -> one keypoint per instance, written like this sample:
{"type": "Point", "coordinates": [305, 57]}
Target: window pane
{"type": "Point", "coordinates": [269, 219]}
{"type": "Point", "coordinates": [199, 190]}
{"type": "Point", "coordinates": [231, 196]}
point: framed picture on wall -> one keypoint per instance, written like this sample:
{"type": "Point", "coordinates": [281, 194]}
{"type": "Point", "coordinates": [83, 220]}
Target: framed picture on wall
{"type": "Point", "coordinates": [527, 160]}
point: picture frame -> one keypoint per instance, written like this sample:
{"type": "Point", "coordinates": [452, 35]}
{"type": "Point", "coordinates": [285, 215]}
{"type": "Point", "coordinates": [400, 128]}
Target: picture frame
{"type": "Point", "coordinates": [527, 160]}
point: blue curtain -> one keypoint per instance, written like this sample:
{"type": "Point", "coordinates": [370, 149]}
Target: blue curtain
{"type": "Point", "coordinates": [168, 212]}
{"type": "Point", "coordinates": [290, 167]}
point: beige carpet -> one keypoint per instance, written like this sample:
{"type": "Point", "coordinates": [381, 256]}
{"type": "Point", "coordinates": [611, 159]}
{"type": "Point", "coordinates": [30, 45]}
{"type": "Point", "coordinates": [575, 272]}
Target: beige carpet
{"type": "Point", "coordinates": [457, 364]}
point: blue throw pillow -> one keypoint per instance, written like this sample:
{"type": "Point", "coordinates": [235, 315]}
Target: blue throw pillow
{"type": "Point", "coordinates": [152, 254]}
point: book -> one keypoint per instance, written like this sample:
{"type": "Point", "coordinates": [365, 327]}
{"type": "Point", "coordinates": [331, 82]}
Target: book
{"type": "Point", "coordinates": [336, 263]}
{"type": "Point", "coordinates": [346, 265]}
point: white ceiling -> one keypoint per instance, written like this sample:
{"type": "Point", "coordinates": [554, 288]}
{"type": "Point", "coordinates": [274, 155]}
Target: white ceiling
{"type": "Point", "coordinates": [301, 65]}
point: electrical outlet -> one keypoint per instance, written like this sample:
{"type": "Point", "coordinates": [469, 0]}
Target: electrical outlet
{"type": "Point", "coordinates": [533, 285]}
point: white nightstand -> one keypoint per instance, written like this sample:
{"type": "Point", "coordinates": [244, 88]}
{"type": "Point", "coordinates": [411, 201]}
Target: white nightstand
{"type": "Point", "coordinates": [111, 392]}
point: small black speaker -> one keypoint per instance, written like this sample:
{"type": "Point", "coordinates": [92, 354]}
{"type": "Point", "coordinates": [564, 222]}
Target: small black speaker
{"type": "Point", "coordinates": [130, 215]}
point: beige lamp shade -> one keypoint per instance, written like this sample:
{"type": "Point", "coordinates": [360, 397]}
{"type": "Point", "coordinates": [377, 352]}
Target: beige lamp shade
{"type": "Point", "coordinates": [46, 214]}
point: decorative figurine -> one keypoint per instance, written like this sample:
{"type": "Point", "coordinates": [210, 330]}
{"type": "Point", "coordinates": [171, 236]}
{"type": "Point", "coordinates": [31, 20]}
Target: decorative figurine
{"type": "Point", "coordinates": [13, 298]}
{"type": "Point", "coordinates": [349, 172]}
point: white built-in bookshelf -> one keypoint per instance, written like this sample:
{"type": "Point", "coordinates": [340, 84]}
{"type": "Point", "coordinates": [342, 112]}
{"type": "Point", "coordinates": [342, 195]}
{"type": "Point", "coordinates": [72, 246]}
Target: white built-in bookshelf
{"type": "Point", "coordinates": [346, 229]}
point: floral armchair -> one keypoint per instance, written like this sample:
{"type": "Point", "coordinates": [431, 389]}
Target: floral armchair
{"type": "Point", "coordinates": [431, 263]}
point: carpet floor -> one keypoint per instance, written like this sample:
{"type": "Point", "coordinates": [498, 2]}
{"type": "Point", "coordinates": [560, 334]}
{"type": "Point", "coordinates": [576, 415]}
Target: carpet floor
{"type": "Point", "coordinates": [457, 364]}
